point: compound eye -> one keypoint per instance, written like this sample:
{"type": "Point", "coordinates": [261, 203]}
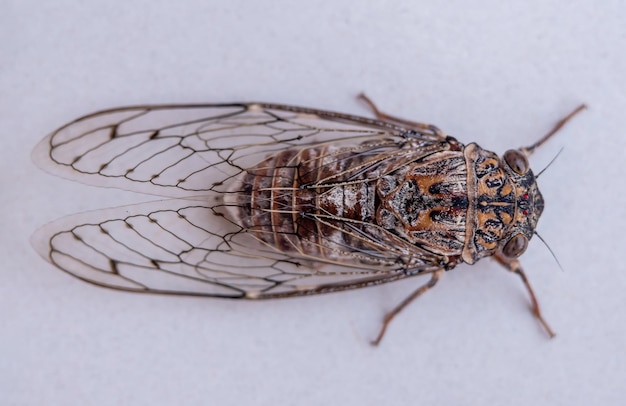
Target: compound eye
{"type": "Point", "coordinates": [516, 161]}
{"type": "Point", "coordinates": [515, 246]}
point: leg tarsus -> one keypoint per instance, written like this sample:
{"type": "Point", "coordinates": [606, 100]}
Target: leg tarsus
{"type": "Point", "coordinates": [531, 148]}
{"type": "Point", "coordinates": [535, 304]}
{"type": "Point", "coordinates": [389, 316]}
{"type": "Point", "coordinates": [414, 125]}
{"type": "Point", "coordinates": [363, 97]}
{"type": "Point", "coordinates": [514, 266]}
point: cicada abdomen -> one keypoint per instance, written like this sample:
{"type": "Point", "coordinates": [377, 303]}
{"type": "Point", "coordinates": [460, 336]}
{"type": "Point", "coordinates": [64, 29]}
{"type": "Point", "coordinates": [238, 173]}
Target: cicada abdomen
{"type": "Point", "coordinates": [334, 201]}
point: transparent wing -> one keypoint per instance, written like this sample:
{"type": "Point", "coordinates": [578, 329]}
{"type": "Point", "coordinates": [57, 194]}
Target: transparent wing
{"type": "Point", "coordinates": [188, 245]}
{"type": "Point", "coordinates": [185, 150]}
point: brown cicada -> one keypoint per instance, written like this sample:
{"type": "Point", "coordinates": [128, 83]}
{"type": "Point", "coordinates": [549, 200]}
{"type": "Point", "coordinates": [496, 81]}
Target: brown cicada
{"type": "Point", "coordinates": [271, 201]}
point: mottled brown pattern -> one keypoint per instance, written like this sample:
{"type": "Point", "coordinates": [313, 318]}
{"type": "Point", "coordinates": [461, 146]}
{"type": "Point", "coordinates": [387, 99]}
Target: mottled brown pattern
{"type": "Point", "coordinates": [426, 202]}
{"type": "Point", "coordinates": [380, 199]}
{"type": "Point", "coordinates": [333, 202]}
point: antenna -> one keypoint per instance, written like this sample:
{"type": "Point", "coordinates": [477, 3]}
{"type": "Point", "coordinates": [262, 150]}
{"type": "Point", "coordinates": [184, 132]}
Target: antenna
{"type": "Point", "coordinates": [549, 249]}
{"type": "Point", "coordinates": [549, 163]}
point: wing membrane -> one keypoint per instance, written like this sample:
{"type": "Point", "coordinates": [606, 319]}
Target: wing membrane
{"type": "Point", "coordinates": [187, 245]}
{"type": "Point", "coordinates": [182, 246]}
{"type": "Point", "coordinates": [178, 151]}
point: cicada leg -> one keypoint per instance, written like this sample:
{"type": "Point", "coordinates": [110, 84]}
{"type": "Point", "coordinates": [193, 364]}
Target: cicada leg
{"type": "Point", "coordinates": [421, 290]}
{"type": "Point", "coordinates": [531, 148]}
{"type": "Point", "coordinates": [514, 266]}
{"type": "Point", "coordinates": [414, 125]}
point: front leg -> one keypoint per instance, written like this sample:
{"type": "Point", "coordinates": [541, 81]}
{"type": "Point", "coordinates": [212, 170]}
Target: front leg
{"type": "Point", "coordinates": [514, 266]}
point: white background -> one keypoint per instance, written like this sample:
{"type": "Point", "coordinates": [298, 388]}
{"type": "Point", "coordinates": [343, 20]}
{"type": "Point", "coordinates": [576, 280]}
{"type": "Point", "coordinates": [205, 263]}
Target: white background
{"type": "Point", "coordinates": [499, 73]}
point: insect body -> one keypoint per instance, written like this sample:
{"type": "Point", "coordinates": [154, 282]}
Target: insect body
{"type": "Point", "coordinates": [276, 201]}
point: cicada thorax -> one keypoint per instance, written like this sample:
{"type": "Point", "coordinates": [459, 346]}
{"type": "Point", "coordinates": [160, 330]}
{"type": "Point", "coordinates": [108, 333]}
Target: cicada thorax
{"type": "Point", "coordinates": [426, 202]}
{"type": "Point", "coordinates": [445, 206]}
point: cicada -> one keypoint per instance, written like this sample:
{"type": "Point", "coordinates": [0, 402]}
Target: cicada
{"type": "Point", "coordinates": [273, 201]}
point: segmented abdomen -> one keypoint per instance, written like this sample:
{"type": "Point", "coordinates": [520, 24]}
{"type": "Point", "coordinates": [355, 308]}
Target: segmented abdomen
{"type": "Point", "coordinates": [298, 200]}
